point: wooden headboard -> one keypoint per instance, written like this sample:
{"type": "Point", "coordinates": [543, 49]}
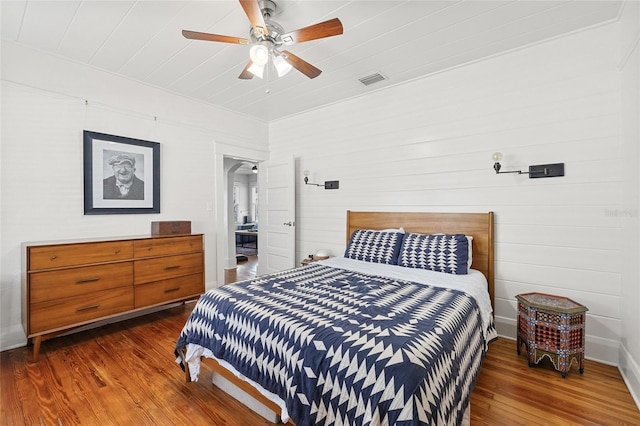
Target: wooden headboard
{"type": "Point", "coordinates": [477, 225]}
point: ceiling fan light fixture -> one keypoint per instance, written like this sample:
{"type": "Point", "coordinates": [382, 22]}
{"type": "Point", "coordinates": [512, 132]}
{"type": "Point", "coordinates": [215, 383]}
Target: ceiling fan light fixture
{"type": "Point", "coordinates": [282, 66]}
{"type": "Point", "coordinates": [259, 54]}
{"type": "Point", "coordinates": [257, 70]}
{"type": "Point", "coordinates": [267, 36]}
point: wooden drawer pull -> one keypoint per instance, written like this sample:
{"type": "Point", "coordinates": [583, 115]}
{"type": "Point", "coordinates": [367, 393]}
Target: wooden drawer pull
{"type": "Point", "coordinates": [171, 267]}
{"type": "Point", "coordinates": [86, 308]}
{"type": "Point", "coordinates": [88, 280]}
{"type": "Point", "coordinates": [171, 290]}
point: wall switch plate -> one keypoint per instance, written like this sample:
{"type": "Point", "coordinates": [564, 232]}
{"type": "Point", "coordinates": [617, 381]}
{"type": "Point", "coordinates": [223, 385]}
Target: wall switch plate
{"type": "Point", "coordinates": [331, 184]}
{"type": "Point", "coordinates": [546, 170]}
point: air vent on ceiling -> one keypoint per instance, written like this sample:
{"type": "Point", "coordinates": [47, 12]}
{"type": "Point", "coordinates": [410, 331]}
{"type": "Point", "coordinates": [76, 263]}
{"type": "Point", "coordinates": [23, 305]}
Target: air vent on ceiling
{"type": "Point", "coordinates": [371, 79]}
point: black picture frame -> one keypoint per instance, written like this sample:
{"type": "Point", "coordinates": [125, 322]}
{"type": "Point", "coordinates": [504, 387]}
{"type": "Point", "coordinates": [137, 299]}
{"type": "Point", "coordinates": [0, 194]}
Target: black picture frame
{"type": "Point", "coordinates": [133, 164]}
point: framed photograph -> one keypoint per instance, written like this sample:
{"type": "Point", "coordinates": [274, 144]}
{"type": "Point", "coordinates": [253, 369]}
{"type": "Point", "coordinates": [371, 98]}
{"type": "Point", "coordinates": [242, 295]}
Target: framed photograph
{"type": "Point", "coordinates": [121, 175]}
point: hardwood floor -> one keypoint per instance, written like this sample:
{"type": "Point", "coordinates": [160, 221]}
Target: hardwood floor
{"type": "Point", "coordinates": [125, 374]}
{"type": "Point", "coordinates": [119, 374]}
{"type": "Point", "coordinates": [509, 392]}
{"type": "Point", "coordinates": [245, 270]}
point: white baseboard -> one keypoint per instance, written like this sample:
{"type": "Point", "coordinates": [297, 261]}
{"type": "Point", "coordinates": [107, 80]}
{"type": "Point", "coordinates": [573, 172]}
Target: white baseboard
{"type": "Point", "coordinates": [506, 327]}
{"type": "Point", "coordinates": [630, 371]}
{"type": "Point", "coordinates": [13, 338]}
{"type": "Point", "coordinates": [597, 349]}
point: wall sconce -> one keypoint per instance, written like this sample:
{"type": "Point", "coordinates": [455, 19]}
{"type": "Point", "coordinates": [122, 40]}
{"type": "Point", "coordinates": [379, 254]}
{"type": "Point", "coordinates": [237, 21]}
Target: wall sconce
{"type": "Point", "coordinates": [537, 171]}
{"type": "Point", "coordinates": [306, 179]}
{"type": "Point", "coordinates": [254, 169]}
{"type": "Point", "coordinates": [328, 184]}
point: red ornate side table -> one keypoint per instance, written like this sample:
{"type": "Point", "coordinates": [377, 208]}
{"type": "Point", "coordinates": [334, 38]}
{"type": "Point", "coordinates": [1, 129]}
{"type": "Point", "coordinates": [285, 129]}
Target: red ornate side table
{"type": "Point", "coordinates": [552, 326]}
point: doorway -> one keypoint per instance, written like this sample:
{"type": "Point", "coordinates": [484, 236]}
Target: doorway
{"type": "Point", "coordinates": [275, 203]}
{"type": "Point", "coordinates": [245, 219]}
{"type": "Point", "coordinates": [240, 218]}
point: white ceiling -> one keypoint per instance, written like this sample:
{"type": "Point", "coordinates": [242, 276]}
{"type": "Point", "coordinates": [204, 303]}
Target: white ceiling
{"type": "Point", "coordinates": [402, 40]}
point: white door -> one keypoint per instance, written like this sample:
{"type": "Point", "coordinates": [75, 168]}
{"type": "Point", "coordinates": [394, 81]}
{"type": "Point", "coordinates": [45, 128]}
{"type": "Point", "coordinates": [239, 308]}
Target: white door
{"type": "Point", "coordinates": [276, 215]}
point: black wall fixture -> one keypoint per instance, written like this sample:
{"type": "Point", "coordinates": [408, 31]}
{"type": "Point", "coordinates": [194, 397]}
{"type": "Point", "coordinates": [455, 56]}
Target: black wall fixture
{"type": "Point", "coordinates": [537, 171]}
{"type": "Point", "coordinates": [328, 184]}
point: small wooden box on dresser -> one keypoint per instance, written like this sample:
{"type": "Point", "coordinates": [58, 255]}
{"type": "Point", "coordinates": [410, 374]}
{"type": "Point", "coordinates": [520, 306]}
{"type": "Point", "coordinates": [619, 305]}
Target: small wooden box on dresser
{"type": "Point", "coordinates": [71, 284]}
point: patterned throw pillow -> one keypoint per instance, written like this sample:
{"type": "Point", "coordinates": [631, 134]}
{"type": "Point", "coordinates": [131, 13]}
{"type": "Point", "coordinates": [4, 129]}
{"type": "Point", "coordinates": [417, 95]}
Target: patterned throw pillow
{"type": "Point", "coordinates": [438, 252]}
{"type": "Point", "coordinates": [374, 246]}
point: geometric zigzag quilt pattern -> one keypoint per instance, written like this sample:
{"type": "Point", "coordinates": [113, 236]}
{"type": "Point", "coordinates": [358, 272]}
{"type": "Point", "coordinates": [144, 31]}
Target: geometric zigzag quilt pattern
{"type": "Point", "coordinates": [346, 348]}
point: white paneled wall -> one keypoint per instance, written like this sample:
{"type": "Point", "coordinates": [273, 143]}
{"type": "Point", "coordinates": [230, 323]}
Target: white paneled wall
{"type": "Point", "coordinates": [427, 146]}
{"type": "Point", "coordinates": [629, 359]}
{"type": "Point", "coordinates": [43, 116]}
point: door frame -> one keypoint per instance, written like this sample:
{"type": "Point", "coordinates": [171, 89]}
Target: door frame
{"type": "Point", "coordinates": [222, 201]}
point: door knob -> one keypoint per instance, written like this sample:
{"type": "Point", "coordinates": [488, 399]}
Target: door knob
{"type": "Point", "coordinates": [288, 223]}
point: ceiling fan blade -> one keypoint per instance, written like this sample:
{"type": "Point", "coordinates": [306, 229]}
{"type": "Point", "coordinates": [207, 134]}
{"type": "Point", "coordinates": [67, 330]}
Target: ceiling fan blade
{"type": "Point", "coordinates": [301, 65]}
{"type": "Point", "coordinates": [324, 29]}
{"type": "Point", "coordinates": [252, 9]}
{"type": "Point", "coordinates": [194, 35]}
{"type": "Point", "coordinates": [245, 74]}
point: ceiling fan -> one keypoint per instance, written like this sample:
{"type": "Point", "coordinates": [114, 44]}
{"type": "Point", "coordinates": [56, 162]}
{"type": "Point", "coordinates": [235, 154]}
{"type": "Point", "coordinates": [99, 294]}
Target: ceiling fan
{"type": "Point", "coordinates": [267, 38]}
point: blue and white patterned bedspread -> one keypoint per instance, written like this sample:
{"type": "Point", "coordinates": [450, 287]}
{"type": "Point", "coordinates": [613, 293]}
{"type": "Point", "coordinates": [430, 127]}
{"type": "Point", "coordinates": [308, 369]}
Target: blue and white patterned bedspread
{"type": "Point", "coordinates": [347, 348]}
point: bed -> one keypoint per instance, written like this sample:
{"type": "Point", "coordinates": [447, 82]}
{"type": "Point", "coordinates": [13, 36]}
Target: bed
{"type": "Point", "coordinates": [394, 332]}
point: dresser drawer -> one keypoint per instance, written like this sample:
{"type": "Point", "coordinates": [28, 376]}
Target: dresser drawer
{"type": "Point", "coordinates": [57, 256]}
{"type": "Point", "coordinates": [167, 246]}
{"type": "Point", "coordinates": [162, 268]}
{"type": "Point", "coordinates": [167, 290]}
{"type": "Point", "coordinates": [60, 313]}
{"type": "Point", "coordinates": [62, 283]}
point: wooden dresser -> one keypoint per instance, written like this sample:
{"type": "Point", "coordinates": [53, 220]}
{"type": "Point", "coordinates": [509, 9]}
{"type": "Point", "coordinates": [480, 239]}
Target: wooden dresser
{"type": "Point", "coordinates": [71, 284]}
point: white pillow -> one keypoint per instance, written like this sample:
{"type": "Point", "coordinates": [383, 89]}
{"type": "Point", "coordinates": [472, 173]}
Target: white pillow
{"type": "Point", "coordinates": [400, 230]}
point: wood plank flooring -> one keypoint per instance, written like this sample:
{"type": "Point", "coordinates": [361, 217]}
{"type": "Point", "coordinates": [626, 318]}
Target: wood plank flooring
{"type": "Point", "coordinates": [125, 374]}
{"type": "Point", "coordinates": [245, 270]}
{"type": "Point", "coordinates": [119, 374]}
